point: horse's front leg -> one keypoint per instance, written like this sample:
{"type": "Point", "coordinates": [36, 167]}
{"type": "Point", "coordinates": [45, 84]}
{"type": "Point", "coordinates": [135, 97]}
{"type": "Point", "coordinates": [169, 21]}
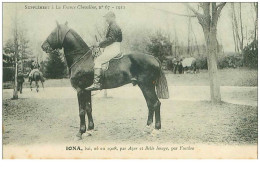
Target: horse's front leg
{"type": "Point", "coordinates": [82, 100]}
{"type": "Point", "coordinates": [89, 113]}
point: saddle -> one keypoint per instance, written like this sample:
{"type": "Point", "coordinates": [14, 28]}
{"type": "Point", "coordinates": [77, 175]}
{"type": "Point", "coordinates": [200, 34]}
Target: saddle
{"type": "Point", "coordinates": [106, 65]}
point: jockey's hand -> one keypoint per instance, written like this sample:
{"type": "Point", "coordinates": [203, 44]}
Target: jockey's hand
{"type": "Point", "coordinates": [96, 44]}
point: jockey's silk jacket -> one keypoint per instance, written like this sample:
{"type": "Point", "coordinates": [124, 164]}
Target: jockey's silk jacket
{"type": "Point", "coordinates": [114, 34]}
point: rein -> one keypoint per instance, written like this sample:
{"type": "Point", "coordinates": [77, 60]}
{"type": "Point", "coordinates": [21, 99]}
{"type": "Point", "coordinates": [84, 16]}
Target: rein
{"type": "Point", "coordinates": [79, 59]}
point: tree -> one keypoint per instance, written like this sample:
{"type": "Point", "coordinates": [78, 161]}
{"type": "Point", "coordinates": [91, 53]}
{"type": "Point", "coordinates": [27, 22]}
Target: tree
{"type": "Point", "coordinates": [208, 21]}
{"type": "Point", "coordinates": [55, 67]}
{"type": "Point", "coordinates": [16, 54]}
{"type": "Point", "coordinates": [256, 23]}
{"type": "Point", "coordinates": [21, 44]}
{"type": "Point", "coordinates": [238, 30]}
{"type": "Point", "coordinates": [24, 48]}
{"type": "Point", "coordinates": [159, 45]}
{"type": "Point", "coordinates": [8, 54]}
{"type": "Point", "coordinates": [251, 55]}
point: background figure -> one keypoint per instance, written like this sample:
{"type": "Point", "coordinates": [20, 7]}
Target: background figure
{"type": "Point", "coordinates": [34, 67]}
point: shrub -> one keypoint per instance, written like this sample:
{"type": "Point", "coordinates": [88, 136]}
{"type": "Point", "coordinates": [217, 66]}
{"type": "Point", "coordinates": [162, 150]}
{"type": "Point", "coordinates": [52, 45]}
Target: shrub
{"type": "Point", "coordinates": [159, 46]}
{"type": "Point", "coordinates": [251, 55]}
{"type": "Point", "coordinates": [8, 74]}
{"type": "Point", "coordinates": [230, 61]}
{"type": "Point", "coordinates": [201, 63]}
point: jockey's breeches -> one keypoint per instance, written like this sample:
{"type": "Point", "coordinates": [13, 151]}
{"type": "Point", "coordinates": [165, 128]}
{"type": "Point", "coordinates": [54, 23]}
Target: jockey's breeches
{"type": "Point", "coordinates": [110, 52]}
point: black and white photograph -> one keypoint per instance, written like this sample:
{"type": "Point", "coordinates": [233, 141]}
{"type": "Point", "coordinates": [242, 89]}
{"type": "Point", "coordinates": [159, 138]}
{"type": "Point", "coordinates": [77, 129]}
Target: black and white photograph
{"type": "Point", "coordinates": [130, 80]}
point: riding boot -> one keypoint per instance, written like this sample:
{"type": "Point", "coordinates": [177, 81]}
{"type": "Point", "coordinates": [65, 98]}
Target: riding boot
{"type": "Point", "coordinates": [96, 83]}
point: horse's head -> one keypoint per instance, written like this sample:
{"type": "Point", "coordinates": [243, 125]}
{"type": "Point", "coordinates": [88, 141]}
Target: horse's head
{"type": "Point", "coordinates": [55, 39]}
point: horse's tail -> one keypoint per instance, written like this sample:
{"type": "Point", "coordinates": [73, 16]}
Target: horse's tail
{"type": "Point", "coordinates": [162, 86]}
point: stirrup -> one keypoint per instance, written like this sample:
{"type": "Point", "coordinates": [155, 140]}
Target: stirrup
{"type": "Point", "coordinates": [134, 81]}
{"type": "Point", "coordinates": [94, 87]}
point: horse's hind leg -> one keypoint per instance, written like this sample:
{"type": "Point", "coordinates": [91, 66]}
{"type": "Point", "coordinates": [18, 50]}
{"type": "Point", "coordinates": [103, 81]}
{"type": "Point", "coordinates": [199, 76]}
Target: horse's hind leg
{"type": "Point", "coordinates": [21, 88]}
{"type": "Point", "coordinates": [42, 85]}
{"type": "Point", "coordinates": [31, 84]}
{"type": "Point", "coordinates": [153, 105]}
{"type": "Point", "coordinates": [37, 86]}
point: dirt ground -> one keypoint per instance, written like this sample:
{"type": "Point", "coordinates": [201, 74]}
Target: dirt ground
{"type": "Point", "coordinates": [51, 116]}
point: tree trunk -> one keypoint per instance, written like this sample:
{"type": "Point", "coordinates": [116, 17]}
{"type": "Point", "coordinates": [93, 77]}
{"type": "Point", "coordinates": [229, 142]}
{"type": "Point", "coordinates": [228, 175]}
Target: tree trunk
{"type": "Point", "coordinates": [189, 29]}
{"type": "Point", "coordinates": [196, 42]}
{"type": "Point", "coordinates": [15, 92]}
{"type": "Point", "coordinates": [212, 56]}
{"type": "Point", "coordinates": [256, 23]}
{"type": "Point", "coordinates": [233, 31]}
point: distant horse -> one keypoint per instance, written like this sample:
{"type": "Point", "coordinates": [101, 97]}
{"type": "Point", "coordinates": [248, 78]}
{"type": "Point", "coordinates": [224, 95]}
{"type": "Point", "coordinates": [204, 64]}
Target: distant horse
{"type": "Point", "coordinates": [36, 76]}
{"type": "Point", "coordinates": [145, 68]}
{"type": "Point", "coordinates": [20, 81]}
{"type": "Point", "coordinates": [189, 64]}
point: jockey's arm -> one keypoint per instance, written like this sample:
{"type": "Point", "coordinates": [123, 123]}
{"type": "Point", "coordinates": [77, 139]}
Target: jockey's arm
{"type": "Point", "coordinates": [108, 41]}
{"type": "Point", "coordinates": [111, 37]}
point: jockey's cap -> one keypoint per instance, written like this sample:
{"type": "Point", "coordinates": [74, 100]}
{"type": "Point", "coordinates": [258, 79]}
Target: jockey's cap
{"type": "Point", "coordinates": [110, 14]}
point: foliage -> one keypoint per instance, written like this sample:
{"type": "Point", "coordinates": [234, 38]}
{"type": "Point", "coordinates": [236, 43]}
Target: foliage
{"type": "Point", "coordinates": [201, 62]}
{"type": "Point", "coordinates": [8, 74]}
{"type": "Point", "coordinates": [136, 40]}
{"type": "Point", "coordinates": [159, 45]}
{"type": "Point", "coordinates": [251, 55]}
{"type": "Point", "coordinates": [8, 54]}
{"type": "Point", "coordinates": [230, 61]}
{"type": "Point", "coordinates": [24, 49]}
{"type": "Point", "coordinates": [55, 67]}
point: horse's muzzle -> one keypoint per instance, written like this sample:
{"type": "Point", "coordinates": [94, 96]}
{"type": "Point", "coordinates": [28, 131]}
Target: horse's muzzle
{"type": "Point", "coordinates": [46, 47]}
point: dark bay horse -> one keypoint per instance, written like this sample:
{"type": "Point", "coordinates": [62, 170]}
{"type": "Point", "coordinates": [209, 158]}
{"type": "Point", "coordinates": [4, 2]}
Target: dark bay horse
{"type": "Point", "coordinates": [36, 76]}
{"type": "Point", "coordinates": [145, 68]}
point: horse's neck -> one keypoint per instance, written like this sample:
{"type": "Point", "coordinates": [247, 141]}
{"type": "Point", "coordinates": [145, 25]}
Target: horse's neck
{"type": "Point", "coordinates": [74, 47]}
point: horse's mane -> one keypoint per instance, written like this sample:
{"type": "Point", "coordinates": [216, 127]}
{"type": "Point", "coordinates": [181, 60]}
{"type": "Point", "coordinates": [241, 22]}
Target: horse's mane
{"type": "Point", "coordinates": [79, 39]}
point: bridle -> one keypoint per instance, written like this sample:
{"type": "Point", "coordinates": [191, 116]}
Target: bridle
{"type": "Point", "coordinates": [60, 40]}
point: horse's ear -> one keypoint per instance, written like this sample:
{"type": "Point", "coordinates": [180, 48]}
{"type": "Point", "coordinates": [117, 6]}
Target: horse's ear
{"type": "Point", "coordinates": [66, 23]}
{"type": "Point", "coordinates": [57, 23]}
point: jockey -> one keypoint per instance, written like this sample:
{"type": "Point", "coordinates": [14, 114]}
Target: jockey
{"type": "Point", "coordinates": [112, 48]}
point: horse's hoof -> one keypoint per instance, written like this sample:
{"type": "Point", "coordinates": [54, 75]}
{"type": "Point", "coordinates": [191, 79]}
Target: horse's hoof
{"type": "Point", "coordinates": [155, 132]}
{"type": "Point", "coordinates": [148, 129]}
{"type": "Point", "coordinates": [78, 138]}
{"type": "Point", "coordinates": [89, 132]}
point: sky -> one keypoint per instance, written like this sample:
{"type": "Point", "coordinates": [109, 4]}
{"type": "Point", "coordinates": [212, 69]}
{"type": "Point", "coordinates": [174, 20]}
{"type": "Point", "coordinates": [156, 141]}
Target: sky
{"type": "Point", "coordinates": [130, 16]}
